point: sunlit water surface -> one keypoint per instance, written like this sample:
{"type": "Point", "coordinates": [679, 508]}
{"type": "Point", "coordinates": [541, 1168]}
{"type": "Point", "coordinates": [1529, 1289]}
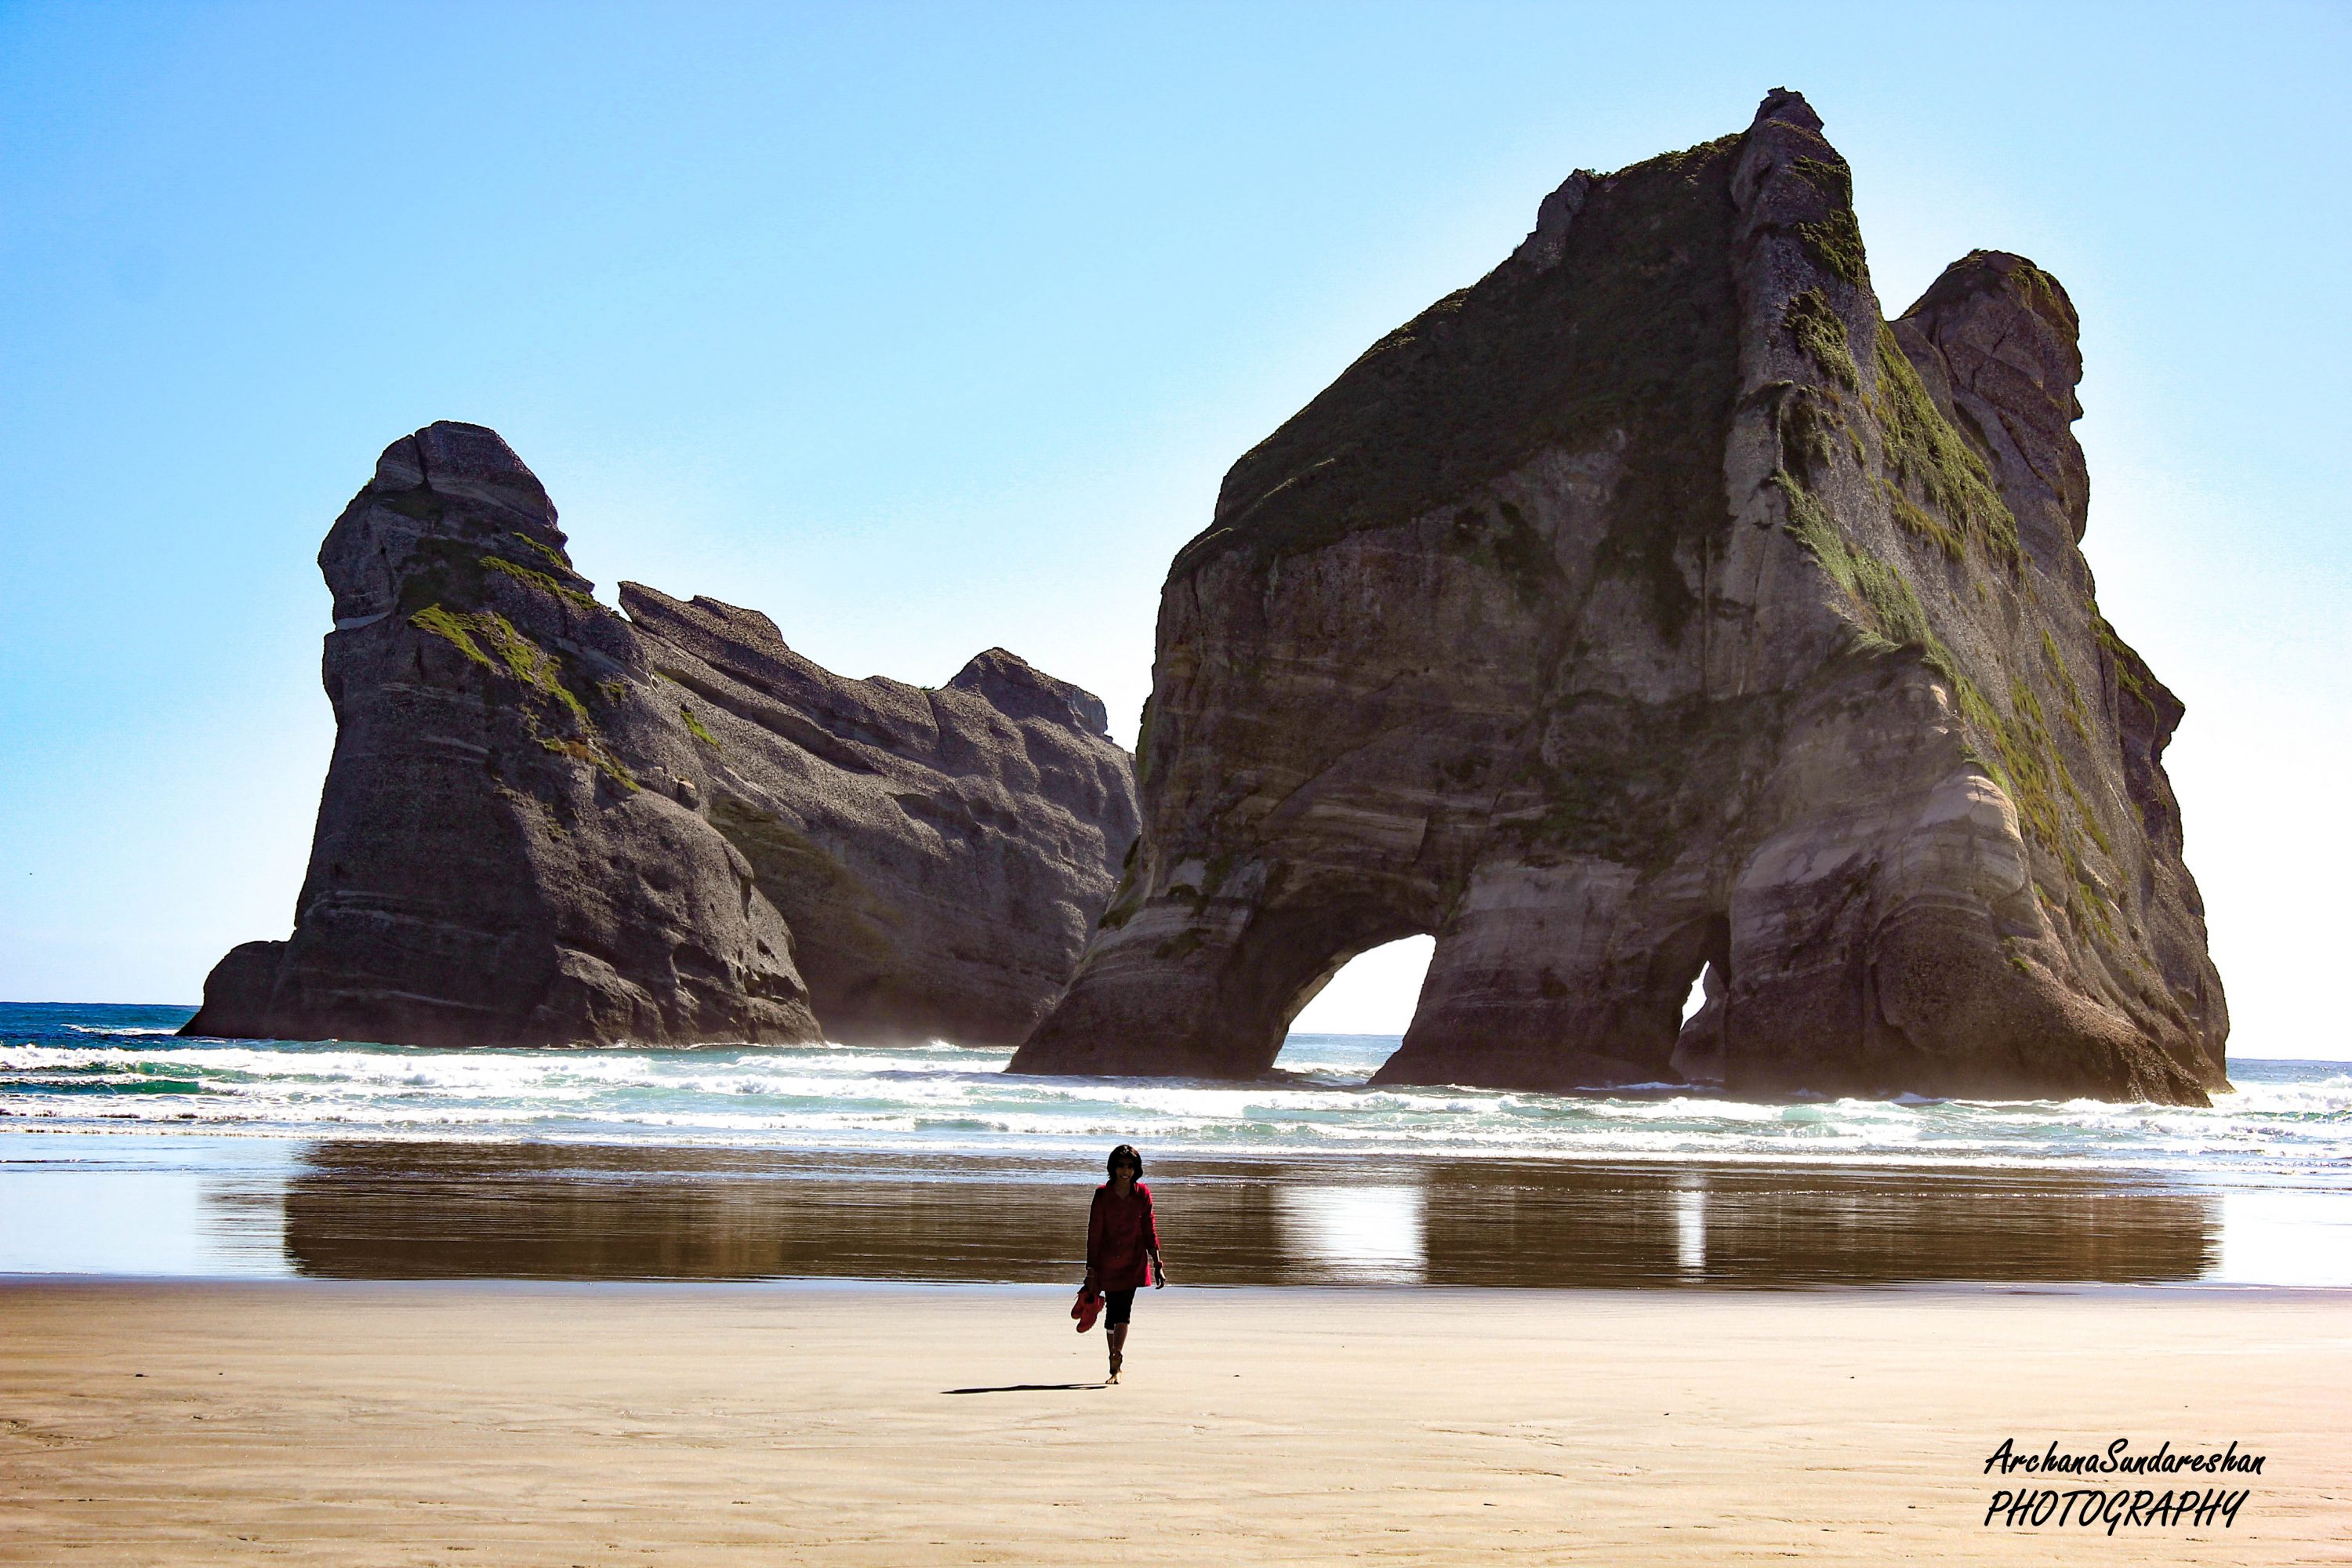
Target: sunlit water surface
{"type": "Point", "coordinates": [125, 1148]}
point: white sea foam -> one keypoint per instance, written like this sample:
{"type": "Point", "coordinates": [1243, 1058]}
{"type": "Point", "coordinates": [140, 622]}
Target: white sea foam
{"type": "Point", "coordinates": [97, 1075]}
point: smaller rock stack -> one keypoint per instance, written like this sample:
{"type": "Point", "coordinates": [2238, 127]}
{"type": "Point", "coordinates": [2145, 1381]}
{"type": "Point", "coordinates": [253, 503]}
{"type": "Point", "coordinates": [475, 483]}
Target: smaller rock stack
{"type": "Point", "coordinates": [548, 823]}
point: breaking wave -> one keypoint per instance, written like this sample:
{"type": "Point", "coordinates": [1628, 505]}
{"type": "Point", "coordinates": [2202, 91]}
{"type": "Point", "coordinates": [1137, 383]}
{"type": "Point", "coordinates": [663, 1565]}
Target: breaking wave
{"type": "Point", "coordinates": [123, 1068]}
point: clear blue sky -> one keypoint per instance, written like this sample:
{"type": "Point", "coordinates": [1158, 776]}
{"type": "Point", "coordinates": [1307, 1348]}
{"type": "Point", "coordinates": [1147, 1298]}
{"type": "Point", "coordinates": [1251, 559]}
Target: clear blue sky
{"type": "Point", "coordinates": [924, 328]}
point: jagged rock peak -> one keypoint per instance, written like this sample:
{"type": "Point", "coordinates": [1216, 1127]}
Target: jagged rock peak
{"type": "Point", "coordinates": [1999, 272]}
{"type": "Point", "coordinates": [1548, 242]}
{"type": "Point", "coordinates": [447, 485]}
{"type": "Point", "coordinates": [453, 458]}
{"type": "Point", "coordinates": [1997, 345]}
{"type": "Point", "coordinates": [1021, 690]}
{"type": "Point", "coordinates": [1789, 106]}
{"type": "Point", "coordinates": [1654, 608]}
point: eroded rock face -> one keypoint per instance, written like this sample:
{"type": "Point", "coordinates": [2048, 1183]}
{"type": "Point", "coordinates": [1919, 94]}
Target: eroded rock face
{"type": "Point", "coordinates": [1653, 606]}
{"type": "Point", "coordinates": [547, 824]}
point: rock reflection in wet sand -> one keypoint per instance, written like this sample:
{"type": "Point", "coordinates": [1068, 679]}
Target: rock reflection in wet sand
{"type": "Point", "coordinates": [570, 1212]}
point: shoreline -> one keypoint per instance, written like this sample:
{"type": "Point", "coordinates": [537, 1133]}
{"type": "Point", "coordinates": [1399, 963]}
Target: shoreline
{"type": "Point", "coordinates": [194, 1207]}
{"type": "Point", "coordinates": [795, 1146]}
{"type": "Point", "coordinates": [561, 1422]}
{"type": "Point", "coordinates": [1287, 1296]}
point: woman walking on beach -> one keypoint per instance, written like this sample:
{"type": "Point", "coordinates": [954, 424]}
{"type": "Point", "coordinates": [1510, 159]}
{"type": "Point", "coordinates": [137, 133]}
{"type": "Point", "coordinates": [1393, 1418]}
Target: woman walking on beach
{"type": "Point", "coordinates": [1122, 1246]}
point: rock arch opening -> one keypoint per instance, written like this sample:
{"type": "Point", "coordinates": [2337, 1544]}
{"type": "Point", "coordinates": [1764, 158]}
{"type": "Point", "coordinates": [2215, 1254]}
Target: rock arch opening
{"type": "Point", "coordinates": [1697, 996]}
{"type": "Point", "coordinates": [1707, 1001]}
{"type": "Point", "coordinates": [1357, 1014]}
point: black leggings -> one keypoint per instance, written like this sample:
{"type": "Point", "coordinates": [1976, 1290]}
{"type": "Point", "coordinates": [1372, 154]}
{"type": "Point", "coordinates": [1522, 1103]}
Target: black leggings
{"type": "Point", "coordinates": [1118, 1307]}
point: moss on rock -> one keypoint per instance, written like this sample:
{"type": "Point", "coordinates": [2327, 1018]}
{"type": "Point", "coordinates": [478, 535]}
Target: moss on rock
{"type": "Point", "coordinates": [1820, 332]}
{"type": "Point", "coordinates": [1933, 459]}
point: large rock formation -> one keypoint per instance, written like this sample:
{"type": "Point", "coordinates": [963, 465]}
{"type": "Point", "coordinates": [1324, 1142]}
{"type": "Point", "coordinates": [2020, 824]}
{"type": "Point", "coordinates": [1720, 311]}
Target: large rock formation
{"type": "Point", "coordinates": [547, 824]}
{"type": "Point", "coordinates": [1653, 605]}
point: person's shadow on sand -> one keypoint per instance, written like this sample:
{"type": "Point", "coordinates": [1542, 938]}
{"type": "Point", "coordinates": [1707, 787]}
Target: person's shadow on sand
{"type": "Point", "coordinates": [1024, 1388]}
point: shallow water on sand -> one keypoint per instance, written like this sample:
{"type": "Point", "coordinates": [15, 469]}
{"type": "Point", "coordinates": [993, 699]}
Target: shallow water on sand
{"type": "Point", "coordinates": [125, 1150]}
{"type": "Point", "coordinates": [377, 1209]}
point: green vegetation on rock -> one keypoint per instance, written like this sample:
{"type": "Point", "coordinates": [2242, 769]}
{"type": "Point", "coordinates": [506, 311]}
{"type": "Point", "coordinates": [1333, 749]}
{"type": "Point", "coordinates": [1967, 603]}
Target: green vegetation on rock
{"type": "Point", "coordinates": [490, 641]}
{"type": "Point", "coordinates": [543, 582]}
{"type": "Point", "coordinates": [445, 590]}
{"type": "Point", "coordinates": [2033, 774]}
{"type": "Point", "coordinates": [1890, 608]}
{"type": "Point", "coordinates": [2023, 759]}
{"type": "Point", "coordinates": [1927, 455]}
{"type": "Point", "coordinates": [441, 623]}
{"type": "Point", "coordinates": [2130, 671]}
{"type": "Point", "coordinates": [1821, 334]}
{"type": "Point", "coordinates": [1917, 519]}
{"type": "Point", "coordinates": [1834, 239]}
{"type": "Point", "coordinates": [456, 571]}
{"type": "Point", "coordinates": [2077, 717]}
{"type": "Point", "coordinates": [553, 556]}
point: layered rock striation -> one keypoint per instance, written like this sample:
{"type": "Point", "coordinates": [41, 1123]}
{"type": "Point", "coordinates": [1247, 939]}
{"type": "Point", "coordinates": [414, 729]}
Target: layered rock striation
{"type": "Point", "coordinates": [548, 823]}
{"type": "Point", "coordinates": [1654, 608]}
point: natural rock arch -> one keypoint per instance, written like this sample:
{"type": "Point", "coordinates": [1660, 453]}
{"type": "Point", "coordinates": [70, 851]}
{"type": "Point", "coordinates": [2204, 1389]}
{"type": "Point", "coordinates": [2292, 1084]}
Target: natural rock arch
{"type": "Point", "coordinates": [1654, 601]}
{"type": "Point", "coordinates": [1274, 951]}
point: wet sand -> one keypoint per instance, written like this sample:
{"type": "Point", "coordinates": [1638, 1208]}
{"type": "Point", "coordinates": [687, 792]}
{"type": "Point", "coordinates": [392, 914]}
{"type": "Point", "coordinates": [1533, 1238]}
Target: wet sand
{"type": "Point", "coordinates": [218, 1207]}
{"type": "Point", "coordinates": [386, 1211]}
{"type": "Point", "coordinates": [349, 1423]}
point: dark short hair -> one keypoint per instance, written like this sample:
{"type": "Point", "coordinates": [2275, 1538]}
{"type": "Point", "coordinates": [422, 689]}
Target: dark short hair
{"type": "Point", "coordinates": [1124, 1151]}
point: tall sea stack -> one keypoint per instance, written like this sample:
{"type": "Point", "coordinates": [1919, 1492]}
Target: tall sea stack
{"type": "Point", "coordinates": [548, 823]}
{"type": "Point", "coordinates": [1655, 607]}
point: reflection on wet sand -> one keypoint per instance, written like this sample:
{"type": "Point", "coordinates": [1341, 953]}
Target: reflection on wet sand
{"type": "Point", "coordinates": [373, 1210]}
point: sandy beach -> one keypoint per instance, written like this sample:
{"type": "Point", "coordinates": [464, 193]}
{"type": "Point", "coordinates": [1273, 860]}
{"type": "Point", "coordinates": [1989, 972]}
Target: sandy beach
{"type": "Point", "coordinates": [311, 1422]}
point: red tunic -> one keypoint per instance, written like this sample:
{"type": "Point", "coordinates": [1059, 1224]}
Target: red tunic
{"type": "Point", "coordinates": [1120, 1235]}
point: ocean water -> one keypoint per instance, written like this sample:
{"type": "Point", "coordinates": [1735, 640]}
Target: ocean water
{"type": "Point", "coordinates": [115, 1069]}
{"type": "Point", "coordinates": [127, 1150]}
